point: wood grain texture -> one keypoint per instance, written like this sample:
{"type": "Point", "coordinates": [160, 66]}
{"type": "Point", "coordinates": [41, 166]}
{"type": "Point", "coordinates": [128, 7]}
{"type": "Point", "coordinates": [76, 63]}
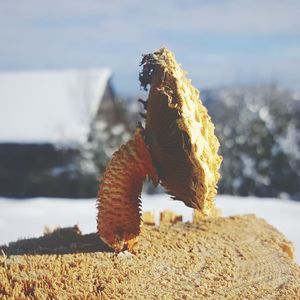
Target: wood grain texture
{"type": "Point", "coordinates": [240, 257]}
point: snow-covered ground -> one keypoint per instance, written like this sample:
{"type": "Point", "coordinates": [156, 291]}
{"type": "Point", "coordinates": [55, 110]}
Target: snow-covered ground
{"type": "Point", "coordinates": [27, 218]}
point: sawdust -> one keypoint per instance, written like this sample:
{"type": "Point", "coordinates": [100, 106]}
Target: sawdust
{"type": "Point", "coordinates": [225, 258]}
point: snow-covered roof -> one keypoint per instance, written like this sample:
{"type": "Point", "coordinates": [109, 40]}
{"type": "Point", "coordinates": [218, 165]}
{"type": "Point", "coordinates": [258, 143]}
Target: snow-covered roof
{"type": "Point", "coordinates": [49, 106]}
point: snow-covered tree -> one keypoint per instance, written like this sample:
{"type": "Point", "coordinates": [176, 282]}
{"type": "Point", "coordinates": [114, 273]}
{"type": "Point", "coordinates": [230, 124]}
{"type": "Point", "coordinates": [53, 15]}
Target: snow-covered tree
{"type": "Point", "coordinates": [259, 131]}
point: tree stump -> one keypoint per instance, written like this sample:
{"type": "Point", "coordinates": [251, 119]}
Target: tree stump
{"type": "Point", "coordinates": [239, 257]}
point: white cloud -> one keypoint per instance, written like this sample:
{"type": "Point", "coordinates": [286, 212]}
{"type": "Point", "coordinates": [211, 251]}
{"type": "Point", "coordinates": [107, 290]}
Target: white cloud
{"type": "Point", "coordinates": [114, 33]}
{"type": "Point", "coordinates": [233, 16]}
{"type": "Point", "coordinates": [241, 17]}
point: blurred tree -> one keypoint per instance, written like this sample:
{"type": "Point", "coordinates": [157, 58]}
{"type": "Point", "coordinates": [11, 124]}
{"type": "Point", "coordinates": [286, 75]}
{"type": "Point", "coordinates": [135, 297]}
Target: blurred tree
{"type": "Point", "coordinates": [258, 128]}
{"type": "Point", "coordinates": [259, 132]}
{"type": "Point", "coordinates": [112, 127]}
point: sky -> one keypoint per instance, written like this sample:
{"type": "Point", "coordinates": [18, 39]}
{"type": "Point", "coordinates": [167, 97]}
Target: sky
{"type": "Point", "coordinates": [217, 42]}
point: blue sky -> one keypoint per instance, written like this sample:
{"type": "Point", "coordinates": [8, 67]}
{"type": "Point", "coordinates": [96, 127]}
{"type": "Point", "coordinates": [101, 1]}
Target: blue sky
{"type": "Point", "coordinates": [217, 42]}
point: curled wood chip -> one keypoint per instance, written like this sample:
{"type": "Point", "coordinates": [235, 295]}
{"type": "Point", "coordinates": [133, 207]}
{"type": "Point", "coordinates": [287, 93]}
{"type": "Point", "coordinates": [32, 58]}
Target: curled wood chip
{"type": "Point", "coordinates": [178, 148]}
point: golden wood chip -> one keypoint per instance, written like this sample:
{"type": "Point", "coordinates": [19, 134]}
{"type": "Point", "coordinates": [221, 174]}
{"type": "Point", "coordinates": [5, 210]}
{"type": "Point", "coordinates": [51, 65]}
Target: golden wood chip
{"type": "Point", "coordinates": [178, 148]}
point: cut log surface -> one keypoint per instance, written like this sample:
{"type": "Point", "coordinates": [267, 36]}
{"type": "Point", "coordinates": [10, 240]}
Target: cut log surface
{"type": "Point", "coordinates": [239, 257]}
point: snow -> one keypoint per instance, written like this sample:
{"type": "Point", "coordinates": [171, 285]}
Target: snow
{"type": "Point", "coordinates": [49, 106]}
{"type": "Point", "coordinates": [27, 218]}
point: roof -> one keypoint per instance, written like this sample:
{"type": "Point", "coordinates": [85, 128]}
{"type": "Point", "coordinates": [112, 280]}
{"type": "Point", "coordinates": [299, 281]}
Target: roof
{"type": "Point", "coordinates": [54, 106]}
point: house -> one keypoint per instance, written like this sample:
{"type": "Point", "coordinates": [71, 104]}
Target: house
{"type": "Point", "coordinates": [45, 119]}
